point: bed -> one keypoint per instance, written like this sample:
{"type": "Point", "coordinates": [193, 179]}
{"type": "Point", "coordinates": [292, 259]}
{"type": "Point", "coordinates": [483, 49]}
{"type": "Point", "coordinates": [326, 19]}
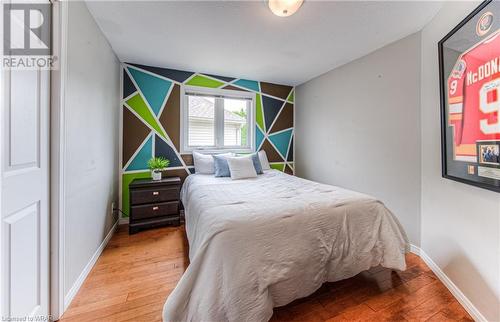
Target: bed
{"type": "Point", "coordinates": [259, 243]}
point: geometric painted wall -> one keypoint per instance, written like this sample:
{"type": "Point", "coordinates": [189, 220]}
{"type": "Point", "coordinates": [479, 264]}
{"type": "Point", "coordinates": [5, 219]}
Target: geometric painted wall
{"type": "Point", "coordinates": [151, 105]}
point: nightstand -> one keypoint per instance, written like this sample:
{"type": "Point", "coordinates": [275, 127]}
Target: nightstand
{"type": "Point", "coordinates": [154, 203]}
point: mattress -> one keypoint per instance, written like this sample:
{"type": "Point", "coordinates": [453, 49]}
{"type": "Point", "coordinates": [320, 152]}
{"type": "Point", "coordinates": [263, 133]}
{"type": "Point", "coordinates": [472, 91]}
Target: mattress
{"type": "Point", "coordinates": [259, 243]}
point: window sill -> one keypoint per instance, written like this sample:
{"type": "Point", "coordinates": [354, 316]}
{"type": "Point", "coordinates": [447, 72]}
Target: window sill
{"type": "Point", "coordinates": [218, 151]}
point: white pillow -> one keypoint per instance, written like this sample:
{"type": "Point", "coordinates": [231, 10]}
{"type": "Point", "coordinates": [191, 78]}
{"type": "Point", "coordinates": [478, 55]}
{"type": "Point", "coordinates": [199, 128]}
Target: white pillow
{"type": "Point", "coordinates": [241, 167]}
{"type": "Point", "coordinates": [204, 163]}
{"type": "Point", "coordinates": [263, 160]}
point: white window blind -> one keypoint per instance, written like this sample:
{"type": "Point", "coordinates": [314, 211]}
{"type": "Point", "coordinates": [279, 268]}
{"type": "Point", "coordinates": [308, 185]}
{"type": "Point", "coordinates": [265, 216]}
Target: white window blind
{"type": "Point", "coordinates": [215, 120]}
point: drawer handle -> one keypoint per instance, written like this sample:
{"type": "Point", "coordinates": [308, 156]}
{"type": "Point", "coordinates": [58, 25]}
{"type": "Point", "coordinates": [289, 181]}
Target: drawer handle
{"type": "Point", "coordinates": [155, 208]}
{"type": "Point", "coordinates": [156, 193]}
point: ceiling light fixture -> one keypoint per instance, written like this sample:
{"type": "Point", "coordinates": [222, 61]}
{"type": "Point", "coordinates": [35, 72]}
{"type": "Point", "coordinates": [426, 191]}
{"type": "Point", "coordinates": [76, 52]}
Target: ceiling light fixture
{"type": "Point", "coordinates": [284, 8]}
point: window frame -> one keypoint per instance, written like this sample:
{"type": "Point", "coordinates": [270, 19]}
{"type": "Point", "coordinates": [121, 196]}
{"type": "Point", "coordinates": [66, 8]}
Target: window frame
{"type": "Point", "coordinates": [218, 120]}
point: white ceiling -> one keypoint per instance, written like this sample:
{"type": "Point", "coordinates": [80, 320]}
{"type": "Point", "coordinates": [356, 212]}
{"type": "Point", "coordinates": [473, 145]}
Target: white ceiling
{"type": "Point", "coordinates": [245, 40]}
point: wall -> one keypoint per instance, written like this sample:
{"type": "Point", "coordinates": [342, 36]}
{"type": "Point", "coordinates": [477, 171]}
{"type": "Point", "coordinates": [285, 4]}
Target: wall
{"type": "Point", "coordinates": [460, 223]}
{"type": "Point", "coordinates": [356, 108]}
{"type": "Point", "coordinates": [91, 136]}
{"type": "Point", "coordinates": [151, 120]}
{"type": "Point", "coordinates": [358, 127]}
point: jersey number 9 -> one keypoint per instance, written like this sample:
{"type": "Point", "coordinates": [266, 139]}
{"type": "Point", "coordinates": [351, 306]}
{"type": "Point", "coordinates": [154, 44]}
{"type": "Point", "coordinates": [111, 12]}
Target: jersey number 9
{"type": "Point", "coordinates": [488, 107]}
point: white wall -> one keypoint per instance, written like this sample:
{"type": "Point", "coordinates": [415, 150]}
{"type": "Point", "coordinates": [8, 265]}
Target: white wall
{"type": "Point", "coordinates": [388, 117]}
{"type": "Point", "coordinates": [91, 140]}
{"type": "Point", "coordinates": [358, 127]}
{"type": "Point", "coordinates": [460, 223]}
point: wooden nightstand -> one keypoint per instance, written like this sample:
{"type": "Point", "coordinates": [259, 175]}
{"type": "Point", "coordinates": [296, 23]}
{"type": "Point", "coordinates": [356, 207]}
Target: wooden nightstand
{"type": "Point", "coordinates": [154, 203]}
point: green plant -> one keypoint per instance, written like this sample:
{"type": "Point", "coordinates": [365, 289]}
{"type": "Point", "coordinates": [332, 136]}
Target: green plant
{"type": "Point", "coordinates": [158, 164]}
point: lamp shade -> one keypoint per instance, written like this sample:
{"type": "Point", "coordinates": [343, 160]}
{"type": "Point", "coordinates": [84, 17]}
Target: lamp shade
{"type": "Point", "coordinates": [284, 8]}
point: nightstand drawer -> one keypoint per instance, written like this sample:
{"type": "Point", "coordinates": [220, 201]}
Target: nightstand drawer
{"type": "Point", "coordinates": [160, 194]}
{"type": "Point", "coordinates": [155, 210]}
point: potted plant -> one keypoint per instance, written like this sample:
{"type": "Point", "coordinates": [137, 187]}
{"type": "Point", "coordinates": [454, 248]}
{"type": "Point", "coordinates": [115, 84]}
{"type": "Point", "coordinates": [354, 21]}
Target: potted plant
{"type": "Point", "coordinates": [157, 165]}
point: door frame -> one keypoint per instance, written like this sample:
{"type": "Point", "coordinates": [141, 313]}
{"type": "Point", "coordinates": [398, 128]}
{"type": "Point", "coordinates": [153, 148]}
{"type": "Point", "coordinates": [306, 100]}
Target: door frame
{"type": "Point", "coordinates": [57, 157]}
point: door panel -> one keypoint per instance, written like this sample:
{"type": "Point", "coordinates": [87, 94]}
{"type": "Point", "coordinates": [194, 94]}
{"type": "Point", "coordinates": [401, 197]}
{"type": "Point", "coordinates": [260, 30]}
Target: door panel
{"type": "Point", "coordinates": [24, 204]}
{"type": "Point", "coordinates": [24, 118]}
{"type": "Point", "coordinates": [23, 243]}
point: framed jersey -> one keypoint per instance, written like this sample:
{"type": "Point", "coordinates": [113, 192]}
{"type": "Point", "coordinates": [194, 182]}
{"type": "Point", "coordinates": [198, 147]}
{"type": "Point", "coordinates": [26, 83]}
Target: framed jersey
{"type": "Point", "coordinates": [469, 66]}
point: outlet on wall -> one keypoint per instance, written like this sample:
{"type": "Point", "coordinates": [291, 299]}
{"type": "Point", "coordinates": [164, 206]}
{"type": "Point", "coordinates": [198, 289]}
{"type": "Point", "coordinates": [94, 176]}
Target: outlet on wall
{"type": "Point", "coordinates": [112, 208]}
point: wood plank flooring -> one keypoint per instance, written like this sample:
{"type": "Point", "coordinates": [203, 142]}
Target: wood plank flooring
{"type": "Point", "coordinates": [136, 273]}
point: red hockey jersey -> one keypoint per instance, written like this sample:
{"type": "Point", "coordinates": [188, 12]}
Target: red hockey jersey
{"type": "Point", "coordinates": [473, 97]}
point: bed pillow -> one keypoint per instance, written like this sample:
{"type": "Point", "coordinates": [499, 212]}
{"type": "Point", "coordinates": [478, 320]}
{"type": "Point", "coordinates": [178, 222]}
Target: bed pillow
{"type": "Point", "coordinates": [221, 167]}
{"type": "Point", "coordinates": [263, 160]}
{"type": "Point", "coordinates": [241, 167]}
{"type": "Point", "coordinates": [204, 163]}
{"type": "Point", "coordinates": [256, 163]}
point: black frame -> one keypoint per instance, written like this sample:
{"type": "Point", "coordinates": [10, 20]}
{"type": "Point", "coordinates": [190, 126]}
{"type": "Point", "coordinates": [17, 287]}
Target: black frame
{"type": "Point", "coordinates": [442, 91]}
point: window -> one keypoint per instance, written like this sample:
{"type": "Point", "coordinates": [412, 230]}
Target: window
{"type": "Point", "coordinates": [215, 120]}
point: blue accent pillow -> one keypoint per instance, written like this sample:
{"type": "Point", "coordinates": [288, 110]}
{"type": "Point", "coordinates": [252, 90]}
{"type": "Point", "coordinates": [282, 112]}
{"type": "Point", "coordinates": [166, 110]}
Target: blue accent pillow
{"type": "Point", "coordinates": [221, 166]}
{"type": "Point", "coordinates": [256, 163]}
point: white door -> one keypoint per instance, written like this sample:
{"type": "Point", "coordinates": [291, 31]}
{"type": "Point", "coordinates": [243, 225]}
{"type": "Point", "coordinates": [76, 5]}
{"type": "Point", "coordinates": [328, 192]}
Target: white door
{"type": "Point", "coordinates": [24, 234]}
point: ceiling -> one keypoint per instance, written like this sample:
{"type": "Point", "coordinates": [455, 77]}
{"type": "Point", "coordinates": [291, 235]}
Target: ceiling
{"type": "Point", "coordinates": [245, 40]}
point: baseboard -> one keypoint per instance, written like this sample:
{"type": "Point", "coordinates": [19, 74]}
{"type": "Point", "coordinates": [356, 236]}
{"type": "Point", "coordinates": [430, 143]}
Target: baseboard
{"type": "Point", "coordinates": [455, 291]}
{"type": "Point", "coordinates": [415, 249]}
{"type": "Point", "coordinates": [123, 221]}
{"type": "Point", "coordinates": [78, 283]}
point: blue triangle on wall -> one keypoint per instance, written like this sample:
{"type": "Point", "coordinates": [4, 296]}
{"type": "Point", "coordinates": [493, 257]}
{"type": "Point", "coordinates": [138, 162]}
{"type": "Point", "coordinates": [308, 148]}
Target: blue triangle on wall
{"type": "Point", "coordinates": [281, 141]}
{"type": "Point", "coordinates": [173, 74]}
{"type": "Point", "coordinates": [259, 137]}
{"type": "Point", "coordinates": [290, 152]}
{"type": "Point", "coordinates": [271, 108]}
{"type": "Point", "coordinates": [223, 78]}
{"type": "Point", "coordinates": [250, 84]}
{"type": "Point", "coordinates": [153, 88]}
{"type": "Point", "coordinates": [162, 149]}
{"type": "Point", "coordinates": [128, 86]}
{"type": "Point", "coordinates": [140, 161]}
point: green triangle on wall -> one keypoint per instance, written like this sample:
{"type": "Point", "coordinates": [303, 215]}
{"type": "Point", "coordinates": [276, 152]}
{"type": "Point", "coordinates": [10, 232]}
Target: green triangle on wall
{"type": "Point", "coordinates": [278, 166]}
{"type": "Point", "coordinates": [291, 97]}
{"type": "Point", "coordinates": [259, 116]}
{"type": "Point", "coordinates": [137, 104]}
{"type": "Point", "coordinates": [203, 81]}
{"type": "Point", "coordinates": [126, 180]}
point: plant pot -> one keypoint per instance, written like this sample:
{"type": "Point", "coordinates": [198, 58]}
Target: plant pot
{"type": "Point", "coordinates": [156, 175]}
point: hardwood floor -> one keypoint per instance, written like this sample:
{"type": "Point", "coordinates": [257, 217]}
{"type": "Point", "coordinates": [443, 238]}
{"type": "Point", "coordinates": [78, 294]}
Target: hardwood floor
{"type": "Point", "coordinates": [136, 273]}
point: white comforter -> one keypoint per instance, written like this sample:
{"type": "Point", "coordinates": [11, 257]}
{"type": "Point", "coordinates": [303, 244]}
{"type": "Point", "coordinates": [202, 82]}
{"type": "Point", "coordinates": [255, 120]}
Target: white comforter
{"type": "Point", "coordinates": [259, 243]}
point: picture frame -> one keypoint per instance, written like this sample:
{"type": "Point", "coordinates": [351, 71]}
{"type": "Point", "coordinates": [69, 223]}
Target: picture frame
{"type": "Point", "coordinates": [469, 78]}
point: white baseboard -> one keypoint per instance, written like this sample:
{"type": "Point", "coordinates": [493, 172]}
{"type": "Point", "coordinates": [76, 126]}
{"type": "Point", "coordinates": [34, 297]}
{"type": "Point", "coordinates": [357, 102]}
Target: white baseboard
{"type": "Point", "coordinates": [455, 291]}
{"type": "Point", "coordinates": [78, 283]}
{"type": "Point", "coordinates": [415, 249]}
{"type": "Point", "coordinates": [123, 221]}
